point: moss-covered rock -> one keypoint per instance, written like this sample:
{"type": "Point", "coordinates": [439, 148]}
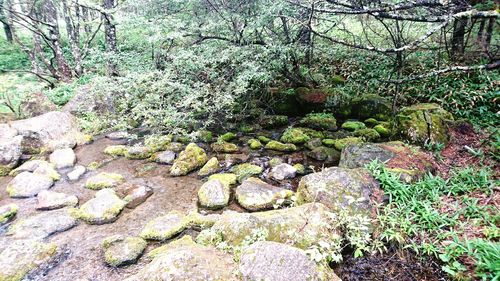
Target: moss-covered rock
{"type": "Point", "coordinates": [423, 123]}
{"type": "Point", "coordinates": [203, 136]}
{"type": "Point", "coordinates": [212, 166]}
{"type": "Point", "coordinates": [278, 146]}
{"type": "Point", "coordinates": [103, 208]}
{"type": "Point", "coordinates": [28, 184]}
{"type": "Point", "coordinates": [294, 135]}
{"type": "Point", "coordinates": [311, 133]}
{"type": "Point", "coordinates": [119, 250]}
{"type": "Point", "coordinates": [175, 146]}
{"type": "Point", "coordinates": [191, 158]}
{"type": "Point", "coordinates": [371, 105]}
{"type": "Point", "coordinates": [42, 225]}
{"type": "Point", "coordinates": [313, 99]}
{"type": "Point", "coordinates": [7, 213]}
{"type": "Point", "coordinates": [164, 227]}
{"type": "Point", "coordinates": [367, 134]}
{"type": "Point", "coordinates": [371, 122]}
{"type": "Point", "coordinates": [227, 137]}
{"type": "Point", "coordinates": [353, 125]}
{"type": "Point", "coordinates": [255, 195]}
{"type": "Point", "coordinates": [138, 152]}
{"type": "Point", "coordinates": [383, 130]}
{"type": "Point", "coordinates": [321, 121]}
{"type": "Point", "coordinates": [326, 154]}
{"type": "Point", "coordinates": [104, 180]}
{"type": "Point", "coordinates": [275, 161]}
{"type": "Point", "coordinates": [116, 150]}
{"type": "Point", "coordinates": [263, 139]}
{"type": "Point", "coordinates": [249, 128]}
{"type": "Point", "coordinates": [246, 170]}
{"type": "Point", "coordinates": [224, 147]}
{"type": "Point", "coordinates": [227, 179]}
{"type": "Point", "coordinates": [341, 143]}
{"type": "Point", "coordinates": [300, 168]}
{"type": "Point", "coordinates": [328, 142]}
{"type": "Point", "coordinates": [157, 142]}
{"type": "Point", "coordinates": [214, 194]}
{"type": "Point", "coordinates": [273, 121]}
{"type": "Point", "coordinates": [254, 144]}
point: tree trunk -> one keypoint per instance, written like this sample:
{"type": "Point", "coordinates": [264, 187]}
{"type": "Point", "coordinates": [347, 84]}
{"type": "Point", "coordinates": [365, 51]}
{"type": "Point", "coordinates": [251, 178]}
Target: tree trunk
{"type": "Point", "coordinates": [110, 36]}
{"type": "Point", "coordinates": [457, 40]}
{"type": "Point", "coordinates": [6, 26]}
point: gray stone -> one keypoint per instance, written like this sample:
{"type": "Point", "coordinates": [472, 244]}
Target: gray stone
{"type": "Point", "coordinates": [76, 173]}
{"type": "Point", "coordinates": [120, 135]}
{"type": "Point", "coordinates": [49, 200]}
{"type": "Point", "coordinates": [119, 250]}
{"type": "Point", "coordinates": [10, 151]}
{"type": "Point", "coordinates": [214, 194]}
{"type": "Point", "coordinates": [103, 208]}
{"type": "Point", "coordinates": [63, 158]}
{"type": "Point", "coordinates": [28, 166]}
{"type": "Point", "coordinates": [28, 184]}
{"type": "Point", "coordinates": [165, 157]}
{"type": "Point", "coordinates": [211, 167]}
{"type": "Point", "coordinates": [326, 154]}
{"type": "Point", "coordinates": [42, 225]}
{"type": "Point", "coordinates": [164, 227]}
{"type": "Point", "coordinates": [283, 171]}
{"type": "Point", "coordinates": [255, 195]}
{"type": "Point", "coordinates": [136, 195]}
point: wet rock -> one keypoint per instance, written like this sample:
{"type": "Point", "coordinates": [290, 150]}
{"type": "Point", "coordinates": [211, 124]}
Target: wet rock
{"type": "Point", "coordinates": [10, 149]}
{"type": "Point", "coordinates": [104, 180]}
{"type": "Point", "coordinates": [410, 161]}
{"type": "Point", "coordinates": [320, 121]}
{"type": "Point", "coordinates": [63, 158]}
{"type": "Point", "coordinates": [214, 194]}
{"type": "Point", "coordinates": [7, 213]}
{"type": "Point", "coordinates": [283, 171]}
{"type": "Point", "coordinates": [367, 134]}
{"type": "Point", "coordinates": [193, 157]}
{"type": "Point", "coordinates": [42, 225]}
{"type": "Point", "coordinates": [76, 173]}
{"type": "Point", "coordinates": [19, 257]}
{"type": "Point", "coordinates": [273, 121]}
{"type": "Point", "coordinates": [294, 135]}
{"type": "Point", "coordinates": [265, 260]}
{"type": "Point", "coordinates": [226, 179]}
{"type": "Point", "coordinates": [136, 195]}
{"type": "Point", "coordinates": [165, 227]}
{"type": "Point", "coordinates": [254, 144]}
{"type": "Point", "coordinates": [339, 189]}
{"type": "Point", "coordinates": [50, 200]}
{"type": "Point", "coordinates": [138, 152]}
{"type": "Point", "coordinates": [371, 105]}
{"type": "Point", "coordinates": [278, 146]}
{"type": "Point", "coordinates": [165, 157]}
{"type": "Point", "coordinates": [224, 147]}
{"type": "Point", "coordinates": [300, 226]}
{"type": "Point", "coordinates": [212, 166]}
{"type": "Point", "coordinates": [116, 150]}
{"type": "Point", "coordinates": [256, 195]}
{"type": "Point", "coordinates": [425, 122]}
{"type": "Point", "coordinates": [119, 250]}
{"type": "Point", "coordinates": [246, 170]}
{"type": "Point", "coordinates": [341, 143]}
{"type": "Point", "coordinates": [185, 260]}
{"type": "Point", "coordinates": [28, 184]}
{"type": "Point", "coordinates": [227, 137]}
{"type": "Point", "coordinates": [103, 208]}
{"type": "Point", "coordinates": [326, 154]}
{"type": "Point", "coordinates": [120, 135]}
{"type": "Point", "coordinates": [353, 125]}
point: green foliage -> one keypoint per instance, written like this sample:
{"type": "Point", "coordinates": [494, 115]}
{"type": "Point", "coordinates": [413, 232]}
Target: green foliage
{"type": "Point", "coordinates": [12, 57]}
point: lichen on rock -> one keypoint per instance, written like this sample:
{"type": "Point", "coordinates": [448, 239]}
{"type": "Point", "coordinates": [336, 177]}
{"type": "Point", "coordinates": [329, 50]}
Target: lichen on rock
{"type": "Point", "coordinates": [189, 159]}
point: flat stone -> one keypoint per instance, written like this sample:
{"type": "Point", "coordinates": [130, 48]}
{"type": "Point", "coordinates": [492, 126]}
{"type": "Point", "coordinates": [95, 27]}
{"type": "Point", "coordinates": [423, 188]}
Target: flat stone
{"type": "Point", "coordinates": [138, 152]}
{"type": "Point", "coordinates": [28, 166]}
{"type": "Point", "coordinates": [214, 194]}
{"type": "Point", "coordinates": [283, 171]}
{"type": "Point", "coordinates": [8, 213]}
{"type": "Point", "coordinates": [265, 260]}
{"type": "Point", "coordinates": [255, 195]}
{"type": "Point", "coordinates": [120, 135]}
{"type": "Point", "coordinates": [76, 173]}
{"type": "Point", "coordinates": [42, 225]}
{"type": "Point", "coordinates": [164, 227]}
{"type": "Point", "coordinates": [136, 195]}
{"type": "Point", "coordinates": [63, 158]}
{"type": "Point", "coordinates": [119, 250]}
{"type": "Point", "coordinates": [165, 157]}
{"type": "Point", "coordinates": [103, 208]}
{"type": "Point", "coordinates": [50, 200]}
{"type": "Point", "coordinates": [28, 184]}
{"type": "Point", "coordinates": [104, 180]}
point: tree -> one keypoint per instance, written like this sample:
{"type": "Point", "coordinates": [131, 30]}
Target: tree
{"type": "Point", "coordinates": [3, 19]}
{"type": "Point", "coordinates": [110, 36]}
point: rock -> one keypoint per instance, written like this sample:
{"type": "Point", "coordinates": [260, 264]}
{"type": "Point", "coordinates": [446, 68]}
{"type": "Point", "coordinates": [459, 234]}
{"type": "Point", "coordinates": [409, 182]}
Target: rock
{"type": "Point", "coordinates": [119, 250]}
{"type": "Point", "coordinates": [423, 123]}
{"type": "Point", "coordinates": [325, 154]}
{"type": "Point", "coordinates": [136, 195]}
{"type": "Point", "coordinates": [254, 144]}
{"type": "Point", "coordinates": [120, 135]}
{"type": "Point", "coordinates": [294, 135]}
{"type": "Point", "coordinates": [175, 147]}
{"type": "Point", "coordinates": [164, 227]}
{"type": "Point", "coordinates": [165, 157]}
{"type": "Point", "coordinates": [263, 139]}
{"type": "Point", "coordinates": [353, 125]}
{"type": "Point", "coordinates": [42, 225]}
{"type": "Point", "coordinates": [328, 142]}
{"type": "Point", "coordinates": [20, 257]}
{"type": "Point", "coordinates": [273, 121]}
{"type": "Point", "coordinates": [410, 161]}
{"type": "Point", "coordinates": [103, 208]}
{"type": "Point", "coordinates": [191, 158]}
{"type": "Point", "coordinates": [255, 195]}
{"type": "Point", "coordinates": [275, 162]}
{"type": "Point", "coordinates": [246, 170]}
{"type": "Point", "coordinates": [301, 226]}
{"type": "Point", "coordinates": [278, 146]}
{"type": "Point", "coordinates": [313, 143]}
{"type": "Point", "coordinates": [10, 149]}
{"type": "Point", "coordinates": [76, 173]}
{"type": "Point", "coordinates": [320, 121]}
{"type": "Point", "coordinates": [383, 130]}
{"type": "Point", "coordinates": [100, 100]}
{"type": "Point", "coordinates": [340, 189]}
{"type": "Point", "coordinates": [214, 195]}
{"type": "Point", "coordinates": [265, 260]}
{"type": "Point", "coordinates": [212, 166]}
{"type": "Point", "coordinates": [224, 147]}
{"type": "Point", "coordinates": [371, 105]}
{"type": "Point", "coordinates": [156, 143]}
{"type": "Point", "coordinates": [247, 129]}
{"type": "Point", "coordinates": [371, 122]}
{"type": "Point", "coordinates": [28, 166]}
{"type": "Point", "coordinates": [203, 136]}
{"type": "Point", "coordinates": [49, 200]}
{"type": "Point", "coordinates": [34, 104]}
{"type": "Point", "coordinates": [116, 150]}
{"type": "Point", "coordinates": [28, 184]}
{"type": "Point", "coordinates": [283, 171]}
{"type": "Point", "coordinates": [341, 143]}
{"type": "Point", "coordinates": [233, 159]}
{"type": "Point", "coordinates": [367, 134]}
{"type": "Point", "coordinates": [227, 137]}
{"type": "Point", "coordinates": [63, 158]}
{"type": "Point", "coordinates": [312, 99]}
{"type": "Point", "coordinates": [300, 168]}
{"type": "Point", "coordinates": [226, 179]}
{"type": "Point", "coordinates": [42, 132]}
{"type": "Point", "coordinates": [138, 152]}
{"type": "Point", "coordinates": [7, 213]}
{"type": "Point", "coordinates": [47, 169]}
{"type": "Point", "coordinates": [185, 260]}
{"type": "Point", "coordinates": [104, 180]}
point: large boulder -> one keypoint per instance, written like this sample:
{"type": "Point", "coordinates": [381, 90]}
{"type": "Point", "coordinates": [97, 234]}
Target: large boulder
{"type": "Point", "coordinates": [340, 189]}
{"type": "Point", "coordinates": [10, 149]}
{"type": "Point", "coordinates": [265, 260]}
{"type": "Point", "coordinates": [103, 208]}
{"type": "Point", "coordinates": [423, 123]}
{"type": "Point", "coordinates": [184, 260]}
{"type": "Point", "coordinates": [190, 159]}
{"type": "Point", "coordinates": [28, 184]}
{"type": "Point", "coordinates": [312, 99]}
{"type": "Point", "coordinates": [371, 106]}
{"type": "Point", "coordinates": [255, 195]}
{"type": "Point", "coordinates": [301, 226]}
{"type": "Point", "coordinates": [42, 225]}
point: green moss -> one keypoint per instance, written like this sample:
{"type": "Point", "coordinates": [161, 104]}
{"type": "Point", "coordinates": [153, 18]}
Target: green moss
{"type": "Point", "coordinates": [227, 179]}
{"type": "Point", "coordinates": [94, 166]}
{"type": "Point", "coordinates": [275, 162]}
{"type": "Point", "coordinates": [249, 128]}
{"type": "Point", "coordinates": [164, 227]}
{"type": "Point", "coordinates": [5, 170]}
{"type": "Point", "coordinates": [157, 142]}
{"type": "Point", "coordinates": [8, 212]}
{"type": "Point", "coordinates": [138, 152]}
{"type": "Point", "coordinates": [370, 122]}
{"type": "Point", "coordinates": [121, 251]}
{"type": "Point", "coordinates": [254, 144]}
{"type": "Point", "coordinates": [311, 133]}
{"type": "Point", "coordinates": [263, 139]}
{"type": "Point", "coordinates": [204, 136]}
{"type": "Point", "coordinates": [189, 159]}
{"type": "Point", "coordinates": [382, 130]}
{"type": "Point", "coordinates": [278, 146]}
{"type": "Point", "coordinates": [227, 137]}
{"type": "Point", "coordinates": [341, 143]}
{"type": "Point", "coordinates": [224, 147]}
{"type": "Point", "coordinates": [246, 170]}
{"type": "Point", "coordinates": [300, 168]}
{"type": "Point", "coordinates": [210, 167]}
{"type": "Point", "coordinates": [371, 106]}
{"type": "Point", "coordinates": [353, 125]}
{"type": "Point", "coordinates": [104, 180]}
{"type": "Point", "coordinates": [273, 121]}
{"type": "Point", "coordinates": [328, 142]}
{"type": "Point", "coordinates": [367, 134]}
{"type": "Point", "coordinates": [294, 135]}
{"type": "Point", "coordinates": [323, 121]}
